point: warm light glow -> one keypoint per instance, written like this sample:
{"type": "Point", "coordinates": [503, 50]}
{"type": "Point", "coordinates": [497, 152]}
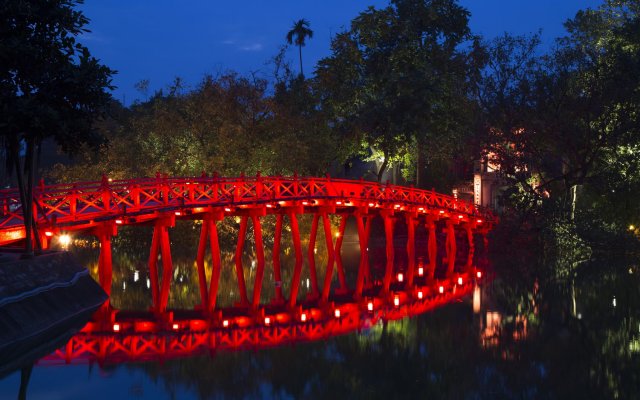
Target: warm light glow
{"type": "Point", "coordinates": [632, 227]}
{"type": "Point", "coordinates": [420, 271]}
{"type": "Point", "coordinates": [227, 209]}
{"type": "Point", "coordinates": [400, 277]}
{"type": "Point", "coordinates": [370, 306]}
{"type": "Point", "coordinates": [64, 240]}
{"type": "Point", "coordinates": [119, 221]}
{"type": "Point", "coordinates": [267, 321]}
{"type": "Point", "coordinates": [460, 216]}
{"type": "Point", "coordinates": [269, 205]}
{"type": "Point", "coordinates": [420, 295]}
{"type": "Point", "coordinates": [420, 208]}
{"type": "Point", "coordinates": [178, 213]}
{"type": "Point", "coordinates": [479, 274]}
{"type": "Point", "coordinates": [336, 313]}
{"type": "Point", "coordinates": [305, 203]}
{"type": "Point", "coordinates": [337, 234]}
{"type": "Point", "coordinates": [479, 221]}
{"type": "Point", "coordinates": [303, 317]}
{"type": "Point", "coordinates": [175, 327]}
{"type": "Point", "coordinates": [476, 299]}
{"type": "Point", "coordinates": [116, 327]}
{"type": "Point", "coordinates": [110, 180]}
{"type": "Point", "coordinates": [396, 301]}
{"type": "Point", "coordinates": [48, 233]}
{"type": "Point", "coordinates": [441, 211]}
{"type": "Point", "coordinates": [372, 204]}
{"type": "Point", "coordinates": [225, 323]}
{"type": "Point", "coordinates": [339, 202]}
{"type": "Point", "coordinates": [441, 289]}
{"type": "Point", "coordinates": [459, 280]}
{"type": "Point", "coordinates": [397, 206]}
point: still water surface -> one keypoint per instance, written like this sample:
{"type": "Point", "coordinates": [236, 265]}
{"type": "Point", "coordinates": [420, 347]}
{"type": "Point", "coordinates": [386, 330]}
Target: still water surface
{"type": "Point", "coordinates": [517, 336]}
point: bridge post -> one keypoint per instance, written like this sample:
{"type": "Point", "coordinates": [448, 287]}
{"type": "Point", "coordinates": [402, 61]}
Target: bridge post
{"type": "Point", "coordinates": [160, 244]}
{"type": "Point", "coordinates": [105, 232]}
{"type": "Point", "coordinates": [388, 232]}
{"type": "Point", "coordinates": [297, 270]}
{"type": "Point", "coordinates": [202, 278]}
{"type": "Point", "coordinates": [209, 229]}
{"type": "Point", "coordinates": [216, 265]}
{"type": "Point", "coordinates": [469, 230]}
{"type": "Point", "coordinates": [363, 238]}
{"type": "Point", "coordinates": [411, 248]}
{"type": "Point", "coordinates": [331, 257]}
{"type": "Point", "coordinates": [242, 288]}
{"type": "Point", "coordinates": [338, 256]}
{"type": "Point", "coordinates": [432, 247]}
{"type": "Point", "coordinates": [277, 237]}
{"type": "Point", "coordinates": [450, 247]}
{"type": "Point", "coordinates": [257, 284]}
{"type": "Point", "coordinates": [311, 255]}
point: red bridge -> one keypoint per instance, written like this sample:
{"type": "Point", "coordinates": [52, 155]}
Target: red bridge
{"type": "Point", "coordinates": [98, 208]}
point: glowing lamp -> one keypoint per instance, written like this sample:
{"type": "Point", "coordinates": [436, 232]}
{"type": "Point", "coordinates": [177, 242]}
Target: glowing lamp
{"type": "Point", "coordinates": [396, 206]}
{"type": "Point", "coordinates": [225, 323]}
{"type": "Point", "coordinates": [267, 321]}
{"type": "Point", "coordinates": [441, 289]}
{"type": "Point", "coordinates": [336, 313]}
{"type": "Point", "coordinates": [420, 295]}
{"type": "Point", "coordinates": [48, 233]}
{"type": "Point", "coordinates": [339, 202]}
{"type": "Point", "coordinates": [479, 221]}
{"type": "Point", "coordinates": [400, 277]}
{"type": "Point", "coordinates": [175, 327]}
{"type": "Point", "coordinates": [370, 306]}
{"type": "Point", "coordinates": [420, 271]}
{"type": "Point", "coordinates": [64, 240]}
{"type": "Point", "coordinates": [227, 209]}
{"type": "Point", "coordinates": [459, 280]}
{"type": "Point", "coordinates": [269, 205]}
{"type": "Point", "coordinates": [178, 213]}
{"type": "Point", "coordinates": [303, 317]}
{"type": "Point", "coordinates": [305, 203]}
{"type": "Point", "coordinates": [420, 208]}
{"type": "Point", "coordinates": [119, 221]}
{"type": "Point", "coordinates": [479, 274]}
{"type": "Point", "coordinates": [372, 204]}
{"type": "Point", "coordinates": [116, 327]}
{"type": "Point", "coordinates": [396, 301]}
{"type": "Point", "coordinates": [632, 227]}
{"type": "Point", "coordinates": [460, 216]}
{"type": "Point", "coordinates": [441, 211]}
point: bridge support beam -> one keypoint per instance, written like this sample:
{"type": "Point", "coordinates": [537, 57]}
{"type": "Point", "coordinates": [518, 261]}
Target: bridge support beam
{"type": "Point", "coordinates": [160, 245]}
{"type": "Point", "coordinates": [341, 277]}
{"type": "Point", "coordinates": [450, 246]}
{"type": "Point", "coordinates": [411, 249]}
{"type": "Point", "coordinates": [105, 232]}
{"type": "Point", "coordinates": [297, 270]}
{"type": "Point", "coordinates": [432, 248]}
{"type": "Point", "coordinates": [242, 287]}
{"type": "Point", "coordinates": [311, 256]}
{"type": "Point", "coordinates": [330, 256]}
{"type": "Point", "coordinates": [209, 230]}
{"type": "Point", "coordinates": [388, 233]}
{"type": "Point", "coordinates": [257, 284]}
{"type": "Point", "coordinates": [363, 238]}
{"type": "Point", "coordinates": [277, 238]}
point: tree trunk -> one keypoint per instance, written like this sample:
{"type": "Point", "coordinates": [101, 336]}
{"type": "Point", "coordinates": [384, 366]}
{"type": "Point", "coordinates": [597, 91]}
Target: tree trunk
{"type": "Point", "coordinates": [300, 49]}
{"type": "Point", "coordinates": [383, 167]}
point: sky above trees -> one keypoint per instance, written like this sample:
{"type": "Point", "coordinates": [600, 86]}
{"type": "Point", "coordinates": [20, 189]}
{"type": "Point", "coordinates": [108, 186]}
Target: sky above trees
{"type": "Point", "coordinates": [159, 40]}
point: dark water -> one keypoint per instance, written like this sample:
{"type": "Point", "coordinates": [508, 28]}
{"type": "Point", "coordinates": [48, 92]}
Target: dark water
{"type": "Point", "coordinates": [518, 336]}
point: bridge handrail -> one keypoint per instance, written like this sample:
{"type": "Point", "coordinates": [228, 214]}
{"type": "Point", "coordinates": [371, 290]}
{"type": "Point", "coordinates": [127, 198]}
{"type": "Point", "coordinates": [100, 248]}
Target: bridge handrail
{"type": "Point", "coordinates": [96, 197]}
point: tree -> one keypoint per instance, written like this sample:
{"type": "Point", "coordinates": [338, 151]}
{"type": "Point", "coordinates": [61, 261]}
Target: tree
{"type": "Point", "coordinates": [300, 31]}
{"type": "Point", "coordinates": [50, 86]}
{"type": "Point", "coordinates": [396, 81]}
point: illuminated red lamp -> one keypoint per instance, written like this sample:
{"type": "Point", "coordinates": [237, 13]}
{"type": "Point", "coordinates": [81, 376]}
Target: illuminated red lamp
{"type": "Point", "coordinates": [225, 323]}
{"type": "Point", "coordinates": [459, 280]}
{"type": "Point", "coordinates": [441, 211]}
{"type": "Point", "coordinates": [420, 271]}
{"type": "Point", "coordinates": [48, 234]}
{"type": "Point", "coordinates": [370, 306]}
{"type": "Point", "coordinates": [479, 221]}
{"type": "Point", "coordinates": [372, 204]}
{"type": "Point", "coordinates": [116, 327]}
{"type": "Point", "coordinates": [178, 213]}
{"type": "Point", "coordinates": [400, 277]}
{"type": "Point", "coordinates": [227, 209]}
{"type": "Point", "coordinates": [396, 206]}
{"type": "Point", "coordinates": [175, 327]}
{"type": "Point", "coordinates": [460, 216]}
{"type": "Point", "coordinates": [479, 274]}
{"type": "Point", "coordinates": [305, 203]}
{"type": "Point", "coordinates": [339, 202]}
{"type": "Point", "coordinates": [396, 301]}
{"type": "Point", "coordinates": [420, 208]}
{"type": "Point", "coordinates": [303, 317]}
{"type": "Point", "coordinates": [269, 205]}
{"type": "Point", "coordinates": [267, 321]}
{"type": "Point", "coordinates": [336, 313]}
{"type": "Point", "coordinates": [441, 289]}
{"type": "Point", "coordinates": [420, 295]}
{"type": "Point", "coordinates": [119, 221]}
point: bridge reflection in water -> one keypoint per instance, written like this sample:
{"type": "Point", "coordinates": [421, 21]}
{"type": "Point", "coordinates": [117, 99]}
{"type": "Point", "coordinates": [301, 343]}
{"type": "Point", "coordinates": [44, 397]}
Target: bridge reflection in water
{"type": "Point", "coordinates": [125, 336]}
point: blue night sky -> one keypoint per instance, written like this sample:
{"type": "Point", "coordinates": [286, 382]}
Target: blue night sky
{"type": "Point", "coordinates": [161, 39]}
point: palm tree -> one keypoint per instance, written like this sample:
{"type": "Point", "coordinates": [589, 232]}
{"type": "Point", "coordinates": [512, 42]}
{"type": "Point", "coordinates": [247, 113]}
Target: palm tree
{"type": "Point", "coordinates": [301, 31]}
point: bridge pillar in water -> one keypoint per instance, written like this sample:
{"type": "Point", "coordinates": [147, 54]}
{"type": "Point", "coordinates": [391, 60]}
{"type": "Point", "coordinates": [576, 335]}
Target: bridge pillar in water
{"type": "Point", "coordinates": [411, 247]}
{"type": "Point", "coordinates": [388, 233]}
{"type": "Point", "coordinates": [450, 247]}
{"type": "Point", "coordinates": [209, 230]}
{"type": "Point", "coordinates": [364, 229]}
{"type": "Point", "coordinates": [160, 245]}
{"type": "Point", "coordinates": [297, 269]}
{"type": "Point", "coordinates": [104, 232]}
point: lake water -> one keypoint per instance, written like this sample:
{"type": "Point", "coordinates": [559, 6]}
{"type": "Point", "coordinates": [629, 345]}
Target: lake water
{"type": "Point", "coordinates": [517, 335]}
